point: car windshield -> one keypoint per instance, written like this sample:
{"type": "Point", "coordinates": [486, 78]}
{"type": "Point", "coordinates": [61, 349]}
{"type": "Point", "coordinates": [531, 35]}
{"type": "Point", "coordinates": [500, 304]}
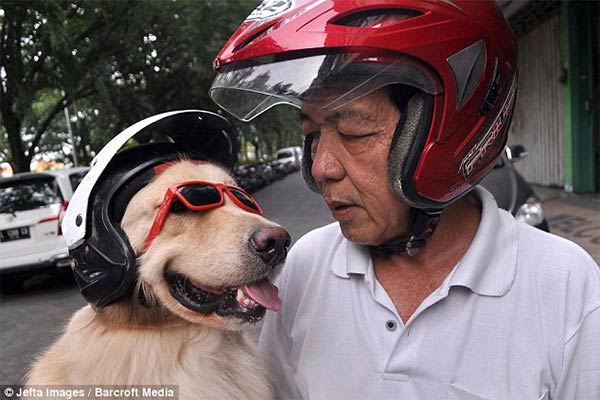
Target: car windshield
{"type": "Point", "coordinates": [23, 195]}
{"type": "Point", "coordinates": [284, 154]}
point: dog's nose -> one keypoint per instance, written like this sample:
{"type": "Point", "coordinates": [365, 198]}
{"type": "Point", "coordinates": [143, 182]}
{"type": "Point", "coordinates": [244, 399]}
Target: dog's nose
{"type": "Point", "coordinates": [271, 244]}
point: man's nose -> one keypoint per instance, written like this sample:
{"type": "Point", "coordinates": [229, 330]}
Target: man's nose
{"type": "Point", "coordinates": [326, 164]}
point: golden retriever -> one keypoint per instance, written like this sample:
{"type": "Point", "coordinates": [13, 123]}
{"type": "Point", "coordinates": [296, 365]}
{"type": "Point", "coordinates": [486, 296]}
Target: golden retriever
{"type": "Point", "coordinates": [198, 257]}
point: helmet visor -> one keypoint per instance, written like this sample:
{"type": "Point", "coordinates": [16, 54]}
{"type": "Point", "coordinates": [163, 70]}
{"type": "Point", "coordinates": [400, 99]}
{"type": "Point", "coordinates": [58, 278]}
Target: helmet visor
{"type": "Point", "coordinates": [328, 81]}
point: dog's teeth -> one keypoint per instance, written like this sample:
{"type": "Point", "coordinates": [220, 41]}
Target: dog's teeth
{"type": "Point", "coordinates": [245, 300]}
{"type": "Point", "coordinates": [249, 303]}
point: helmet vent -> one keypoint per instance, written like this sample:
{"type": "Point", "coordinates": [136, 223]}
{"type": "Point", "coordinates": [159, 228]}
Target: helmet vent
{"type": "Point", "coordinates": [378, 18]}
{"type": "Point", "coordinates": [256, 35]}
{"type": "Point", "coordinates": [467, 68]}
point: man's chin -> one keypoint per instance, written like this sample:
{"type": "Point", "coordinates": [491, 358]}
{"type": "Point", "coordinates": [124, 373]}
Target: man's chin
{"type": "Point", "coordinates": [361, 234]}
{"type": "Point", "coordinates": [355, 233]}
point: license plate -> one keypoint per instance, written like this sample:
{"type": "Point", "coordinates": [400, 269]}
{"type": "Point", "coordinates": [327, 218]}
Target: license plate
{"type": "Point", "coordinates": [9, 235]}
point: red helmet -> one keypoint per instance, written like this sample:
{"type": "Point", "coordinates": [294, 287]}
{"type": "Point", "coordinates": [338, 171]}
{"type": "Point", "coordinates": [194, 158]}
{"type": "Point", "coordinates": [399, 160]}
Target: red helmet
{"type": "Point", "coordinates": [455, 60]}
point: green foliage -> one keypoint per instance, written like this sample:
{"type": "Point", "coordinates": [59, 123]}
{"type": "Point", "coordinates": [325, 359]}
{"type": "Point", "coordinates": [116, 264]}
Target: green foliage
{"type": "Point", "coordinates": [113, 63]}
{"type": "Point", "coordinates": [277, 128]}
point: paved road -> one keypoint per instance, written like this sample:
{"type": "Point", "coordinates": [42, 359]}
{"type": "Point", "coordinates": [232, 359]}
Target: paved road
{"type": "Point", "coordinates": [575, 217]}
{"type": "Point", "coordinates": [31, 320]}
{"type": "Point", "coordinates": [290, 203]}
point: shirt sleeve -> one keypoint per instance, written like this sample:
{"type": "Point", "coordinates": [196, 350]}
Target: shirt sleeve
{"type": "Point", "coordinates": [274, 348]}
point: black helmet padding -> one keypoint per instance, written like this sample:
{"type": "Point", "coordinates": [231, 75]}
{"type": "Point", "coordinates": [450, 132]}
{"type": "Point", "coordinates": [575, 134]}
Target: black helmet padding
{"type": "Point", "coordinates": [407, 146]}
{"type": "Point", "coordinates": [307, 164]}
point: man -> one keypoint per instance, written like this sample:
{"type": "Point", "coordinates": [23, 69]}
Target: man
{"type": "Point", "coordinates": [422, 289]}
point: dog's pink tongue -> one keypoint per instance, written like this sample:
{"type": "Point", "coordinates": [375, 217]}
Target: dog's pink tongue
{"type": "Point", "coordinates": [264, 293]}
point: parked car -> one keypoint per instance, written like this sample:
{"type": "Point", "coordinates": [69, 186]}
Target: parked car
{"type": "Point", "coordinates": [75, 175]}
{"type": "Point", "coordinates": [289, 155]}
{"type": "Point", "coordinates": [31, 209]}
{"type": "Point", "coordinates": [512, 192]}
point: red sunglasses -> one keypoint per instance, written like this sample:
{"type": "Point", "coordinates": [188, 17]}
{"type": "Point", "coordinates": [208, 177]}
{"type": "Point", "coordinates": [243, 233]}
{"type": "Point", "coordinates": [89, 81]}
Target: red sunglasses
{"type": "Point", "coordinates": [199, 196]}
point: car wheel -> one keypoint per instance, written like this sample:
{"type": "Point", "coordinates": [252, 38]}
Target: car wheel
{"type": "Point", "coordinates": [11, 284]}
{"type": "Point", "coordinates": [66, 276]}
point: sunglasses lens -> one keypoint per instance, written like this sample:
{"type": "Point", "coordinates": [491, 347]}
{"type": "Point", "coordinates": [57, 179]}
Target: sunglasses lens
{"type": "Point", "coordinates": [200, 195]}
{"type": "Point", "coordinates": [244, 198]}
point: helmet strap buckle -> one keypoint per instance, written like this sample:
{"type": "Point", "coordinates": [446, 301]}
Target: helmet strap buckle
{"type": "Point", "coordinates": [422, 226]}
{"type": "Point", "coordinates": [411, 247]}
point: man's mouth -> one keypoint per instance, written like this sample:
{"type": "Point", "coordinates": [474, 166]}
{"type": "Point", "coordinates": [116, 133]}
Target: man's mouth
{"type": "Point", "coordinates": [248, 302]}
{"type": "Point", "coordinates": [342, 211]}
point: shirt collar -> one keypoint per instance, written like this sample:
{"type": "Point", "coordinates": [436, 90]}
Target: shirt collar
{"type": "Point", "coordinates": [356, 261]}
{"type": "Point", "coordinates": [488, 267]}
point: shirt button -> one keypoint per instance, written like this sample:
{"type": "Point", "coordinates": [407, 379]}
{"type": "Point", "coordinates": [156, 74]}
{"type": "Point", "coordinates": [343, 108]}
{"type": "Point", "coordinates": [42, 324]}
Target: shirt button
{"type": "Point", "coordinates": [391, 325]}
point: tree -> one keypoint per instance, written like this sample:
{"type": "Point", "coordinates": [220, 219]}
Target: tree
{"type": "Point", "coordinates": [49, 45]}
{"type": "Point", "coordinates": [112, 63]}
{"type": "Point", "coordinates": [278, 128]}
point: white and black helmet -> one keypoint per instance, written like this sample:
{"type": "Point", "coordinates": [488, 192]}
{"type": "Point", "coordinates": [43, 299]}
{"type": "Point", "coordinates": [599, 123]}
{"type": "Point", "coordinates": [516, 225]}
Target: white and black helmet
{"type": "Point", "coordinates": [103, 261]}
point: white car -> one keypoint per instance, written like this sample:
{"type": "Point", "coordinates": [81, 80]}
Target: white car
{"type": "Point", "coordinates": [31, 210]}
{"type": "Point", "coordinates": [289, 155]}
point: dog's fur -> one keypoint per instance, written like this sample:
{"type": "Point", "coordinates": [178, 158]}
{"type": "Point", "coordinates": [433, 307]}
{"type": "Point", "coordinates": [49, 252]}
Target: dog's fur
{"type": "Point", "coordinates": [162, 342]}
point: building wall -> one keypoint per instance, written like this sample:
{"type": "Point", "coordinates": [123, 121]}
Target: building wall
{"type": "Point", "coordinates": [538, 122]}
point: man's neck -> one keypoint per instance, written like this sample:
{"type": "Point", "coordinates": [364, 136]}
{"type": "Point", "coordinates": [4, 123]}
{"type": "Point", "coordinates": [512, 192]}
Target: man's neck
{"type": "Point", "coordinates": [410, 279]}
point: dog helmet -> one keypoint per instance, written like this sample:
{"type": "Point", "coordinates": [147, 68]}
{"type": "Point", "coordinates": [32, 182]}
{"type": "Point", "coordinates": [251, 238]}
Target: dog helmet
{"type": "Point", "coordinates": [104, 263]}
{"type": "Point", "coordinates": [452, 63]}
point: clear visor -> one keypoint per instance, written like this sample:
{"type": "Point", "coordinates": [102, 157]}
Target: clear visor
{"type": "Point", "coordinates": [326, 81]}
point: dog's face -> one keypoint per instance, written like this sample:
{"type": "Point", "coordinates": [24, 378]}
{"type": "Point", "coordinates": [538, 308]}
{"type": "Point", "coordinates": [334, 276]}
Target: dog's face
{"type": "Point", "coordinates": [211, 267]}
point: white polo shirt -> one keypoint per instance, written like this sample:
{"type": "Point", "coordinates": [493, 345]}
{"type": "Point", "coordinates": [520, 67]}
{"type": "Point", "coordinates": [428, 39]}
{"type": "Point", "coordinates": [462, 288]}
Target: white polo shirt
{"type": "Point", "coordinates": [517, 318]}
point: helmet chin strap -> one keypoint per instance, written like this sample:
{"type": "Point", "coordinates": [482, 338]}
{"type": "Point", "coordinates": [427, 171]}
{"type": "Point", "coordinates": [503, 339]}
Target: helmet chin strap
{"type": "Point", "coordinates": [422, 225]}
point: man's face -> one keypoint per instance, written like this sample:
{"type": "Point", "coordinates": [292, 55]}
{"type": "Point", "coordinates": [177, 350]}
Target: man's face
{"type": "Point", "coordinates": [350, 148]}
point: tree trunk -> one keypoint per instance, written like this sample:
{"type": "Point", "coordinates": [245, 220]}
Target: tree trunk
{"type": "Point", "coordinates": [19, 161]}
{"type": "Point", "coordinates": [82, 130]}
{"type": "Point", "coordinates": [10, 45]}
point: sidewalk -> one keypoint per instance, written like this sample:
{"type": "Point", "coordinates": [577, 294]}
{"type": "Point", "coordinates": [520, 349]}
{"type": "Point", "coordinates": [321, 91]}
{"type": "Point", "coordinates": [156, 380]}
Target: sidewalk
{"type": "Point", "coordinates": [573, 216]}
